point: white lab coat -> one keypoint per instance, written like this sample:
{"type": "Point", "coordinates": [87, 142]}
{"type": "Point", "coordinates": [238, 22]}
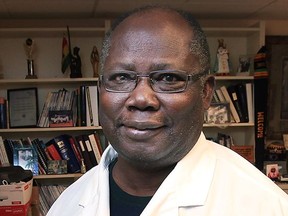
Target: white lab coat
{"type": "Point", "coordinates": [209, 180]}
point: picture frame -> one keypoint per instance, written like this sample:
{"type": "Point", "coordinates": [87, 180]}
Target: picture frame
{"type": "Point", "coordinates": [26, 157]}
{"type": "Point", "coordinates": [217, 113]}
{"type": "Point", "coordinates": [23, 107]}
{"type": "Point", "coordinates": [245, 65]}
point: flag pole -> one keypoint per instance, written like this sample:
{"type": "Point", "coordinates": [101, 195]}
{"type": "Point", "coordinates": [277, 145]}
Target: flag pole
{"type": "Point", "coordinates": [69, 42]}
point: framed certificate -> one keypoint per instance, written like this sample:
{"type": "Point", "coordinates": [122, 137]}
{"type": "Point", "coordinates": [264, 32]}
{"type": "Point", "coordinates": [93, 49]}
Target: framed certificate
{"type": "Point", "coordinates": [23, 107]}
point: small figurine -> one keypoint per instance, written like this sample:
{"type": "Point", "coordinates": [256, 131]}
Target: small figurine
{"type": "Point", "coordinates": [76, 64]}
{"type": "Point", "coordinates": [29, 46]}
{"type": "Point", "coordinates": [94, 58]}
{"type": "Point", "coordinates": [222, 64]}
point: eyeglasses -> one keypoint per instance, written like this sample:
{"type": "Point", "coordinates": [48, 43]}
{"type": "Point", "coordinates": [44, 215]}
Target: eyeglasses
{"type": "Point", "coordinates": [164, 81]}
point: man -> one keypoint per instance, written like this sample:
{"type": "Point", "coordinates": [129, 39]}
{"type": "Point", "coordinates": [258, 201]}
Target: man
{"type": "Point", "coordinates": [154, 90]}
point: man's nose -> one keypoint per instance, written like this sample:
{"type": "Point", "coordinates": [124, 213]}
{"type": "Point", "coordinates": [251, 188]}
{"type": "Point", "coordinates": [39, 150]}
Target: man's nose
{"type": "Point", "coordinates": [143, 97]}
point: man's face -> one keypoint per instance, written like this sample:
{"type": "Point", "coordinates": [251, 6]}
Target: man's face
{"type": "Point", "coordinates": [152, 129]}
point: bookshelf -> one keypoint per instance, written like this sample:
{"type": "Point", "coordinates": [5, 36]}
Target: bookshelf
{"type": "Point", "coordinates": [241, 39]}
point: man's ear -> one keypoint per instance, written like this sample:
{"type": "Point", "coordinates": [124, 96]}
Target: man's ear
{"type": "Point", "coordinates": [208, 90]}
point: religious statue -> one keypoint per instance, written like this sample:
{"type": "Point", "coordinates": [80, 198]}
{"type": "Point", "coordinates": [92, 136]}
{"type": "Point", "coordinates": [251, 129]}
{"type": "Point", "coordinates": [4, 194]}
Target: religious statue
{"type": "Point", "coordinates": [29, 46]}
{"type": "Point", "coordinates": [94, 58]}
{"type": "Point", "coordinates": [76, 64]}
{"type": "Point", "coordinates": [222, 63]}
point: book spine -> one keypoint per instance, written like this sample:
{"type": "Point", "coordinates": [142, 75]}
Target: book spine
{"type": "Point", "coordinates": [83, 113]}
{"type": "Point", "coordinates": [90, 150]}
{"type": "Point", "coordinates": [89, 113]}
{"type": "Point", "coordinates": [76, 150]}
{"type": "Point", "coordinates": [235, 100]}
{"type": "Point", "coordinates": [93, 92]}
{"type": "Point", "coordinates": [242, 96]}
{"type": "Point", "coordinates": [3, 113]}
{"type": "Point", "coordinates": [250, 107]}
{"type": "Point", "coordinates": [9, 149]}
{"type": "Point", "coordinates": [85, 153]}
{"type": "Point", "coordinates": [95, 147]}
{"type": "Point", "coordinates": [53, 153]}
{"type": "Point", "coordinates": [4, 156]}
{"type": "Point", "coordinates": [64, 148]}
{"type": "Point", "coordinates": [231, 105]}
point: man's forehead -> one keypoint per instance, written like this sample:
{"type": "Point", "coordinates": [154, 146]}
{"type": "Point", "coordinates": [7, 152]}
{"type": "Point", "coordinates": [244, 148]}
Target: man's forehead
{"type": "Point", "coordinates": [157, 18]}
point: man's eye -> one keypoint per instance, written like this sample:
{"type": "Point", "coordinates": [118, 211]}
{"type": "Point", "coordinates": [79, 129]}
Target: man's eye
{"type": "Point", "coordinates": [170, 77]}
{"type": "Point", "coordinates": [120, 77]}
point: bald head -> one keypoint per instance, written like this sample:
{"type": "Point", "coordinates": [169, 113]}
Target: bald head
{"type": "Point", "coordinates": [164, 20]}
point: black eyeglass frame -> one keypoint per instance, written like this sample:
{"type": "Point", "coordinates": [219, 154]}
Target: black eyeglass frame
{"type": "Point", "coordinates": [189, 77]}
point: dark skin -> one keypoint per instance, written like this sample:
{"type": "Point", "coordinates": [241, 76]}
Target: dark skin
{"type": "Point", "coordinates": [152, 131]}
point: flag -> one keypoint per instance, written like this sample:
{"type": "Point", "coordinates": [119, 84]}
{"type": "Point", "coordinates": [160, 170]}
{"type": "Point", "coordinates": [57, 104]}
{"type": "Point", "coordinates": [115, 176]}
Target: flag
{"type": "Point", "coordinates": [66, 52]}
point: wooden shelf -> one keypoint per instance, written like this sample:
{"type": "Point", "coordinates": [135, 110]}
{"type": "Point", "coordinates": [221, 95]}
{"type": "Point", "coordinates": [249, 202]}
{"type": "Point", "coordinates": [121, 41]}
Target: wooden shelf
{"type": "Point", "coordinates": [29, 130]}
{"type": "Point", "coordinates": [66, 176]}
{"type": "Point", "coordinates": [229, 125]}
{"type": "Point", "coordinates": [231, 78]}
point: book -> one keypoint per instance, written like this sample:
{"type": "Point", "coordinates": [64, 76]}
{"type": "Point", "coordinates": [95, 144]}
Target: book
{"type": "Point", "coordinates": [3, 154]}
{"type": "Point", "coordinates": [89, 149]}
{"type": "Point", "coordinates": [242, 96]}
{"type": "Point", "coordinates": [3, 113]}
{"type": "Point", "coordinates": [85, 154]}
{"type": "Point", "coordinates": [76, 149]}
{"type": "Point", "coordinates": [220, 95]}
{"type": "Point", "coordinates": [64, 148]}
{"type": "Point", "coordinates": [95, 147]}
{"type": "Point", "coordinates": [232, 107]}
{"type": "Point", "coordinates": [42, 159]}
{"type": "Point", "coordinates": [9, 149]}
{"type": "Point", "coordinates": [52, 150]}
{"type": "Point", "coordinates": [232, 91]}
{"type": "Point", "coordinates": [82, 106]}
{"type": "Point", "coordinates": [44, 112]}
{"type": "Point", "coordinates": [250, 107]}
{"type": "Point", "coordinates": [92, 106]}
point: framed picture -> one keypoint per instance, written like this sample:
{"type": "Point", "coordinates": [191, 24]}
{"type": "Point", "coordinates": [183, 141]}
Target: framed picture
{"type": "Point", "coordinates": [218, 113]}
{"type": "Point", "coordinates": [245, 65]}
{"type": "Point", "coordinates": [26, 157]}
{"type": "Point", "coordinates": [23, 107]}
{"type": "Point", "coordinates": [272, 171]}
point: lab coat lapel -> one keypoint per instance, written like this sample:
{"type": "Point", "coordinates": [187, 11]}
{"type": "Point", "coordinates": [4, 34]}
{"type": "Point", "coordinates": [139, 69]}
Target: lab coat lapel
{"type": "Point", "coordinates": [187, 185]}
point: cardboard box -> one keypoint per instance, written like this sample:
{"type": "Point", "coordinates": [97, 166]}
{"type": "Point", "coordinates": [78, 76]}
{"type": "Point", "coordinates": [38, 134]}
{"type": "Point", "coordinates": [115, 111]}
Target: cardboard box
{"type": "Point", "coordinates": [15, 198]}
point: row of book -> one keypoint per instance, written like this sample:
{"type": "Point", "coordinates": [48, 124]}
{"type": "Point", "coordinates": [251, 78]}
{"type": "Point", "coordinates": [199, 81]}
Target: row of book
{"type": "Point", "coordinates": [240, 99]}
{"type": "Point", "coordinates": [68, 108]}
{"type": "Point", "coordinates": [48, 195]}
{"type": "Point", "coordinates": [60, 155]}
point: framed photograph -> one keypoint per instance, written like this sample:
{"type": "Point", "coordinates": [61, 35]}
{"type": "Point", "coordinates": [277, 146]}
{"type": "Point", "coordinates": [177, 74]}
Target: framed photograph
{"type": "Point", "coordinates": [26, 157]}
{"type": "Point", "coordinates": [272, 171]}
{"type": "Point", "coordinates": [23, 107]}
{"type": "Point", "coordinates": [218, 113]}
{"type": "Point", "coordinates": [245, 65]}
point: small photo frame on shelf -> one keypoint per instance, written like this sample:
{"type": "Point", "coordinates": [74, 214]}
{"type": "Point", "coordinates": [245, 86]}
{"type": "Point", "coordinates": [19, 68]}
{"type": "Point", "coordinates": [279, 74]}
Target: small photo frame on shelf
{"type": "Point", "coordinates": [23, 107]}
{"type": "Point", "coordinates": [57, 167]}
{"type": "Point", "coordinates": [272, 171]}
{"type": "Point", "coordinates": [26, 157]}
{"type": "Point", "coordinates": [245, 64]}
{"type": "Point", "coordinates": [217, 113]}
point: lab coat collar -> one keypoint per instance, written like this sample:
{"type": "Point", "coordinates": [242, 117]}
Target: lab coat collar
{"type": "Point", "coordinates": [188, 184]}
